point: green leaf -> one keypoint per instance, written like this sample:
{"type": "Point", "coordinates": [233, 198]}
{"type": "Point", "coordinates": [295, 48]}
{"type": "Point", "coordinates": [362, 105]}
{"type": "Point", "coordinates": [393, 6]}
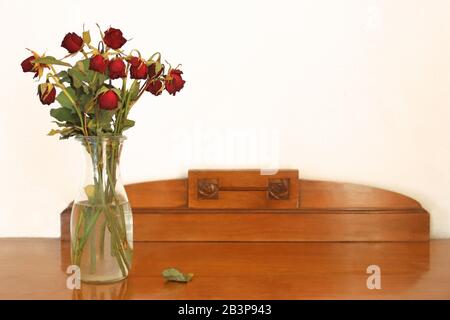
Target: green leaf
{"type": "Point", "coordinates": [52, 60]}
{"type": "Point", "coordinates": [84, 100]}
{"type": "Point", "coordinates": [77, 77]}
{"type": "Point", "coordinates": [95, 79]}
{"type": "Point", "coordinates": [104, 119]}
{"type": "Point", "coordinates": [128, 123]}
{"type": "Point", "coordinates": [65, 79]}
{"type": "Point", "coordinates": [54, 131]}
{"type": "Point", "coordinates": [86, 37]}
{"type": "Point", "coordinates": [92, 125]}
{"type": "Point", "coordinates": [64, 101]}
{"type": "Point", "coordinates": [134, 90]}
{"type": "Point", "coordinates": [172, 274]}
{"type": "Point", "coordinates": [81, 65]}
{"type": "Point", "coordinates": [62, 74]}
{"type": "Point", "coordinates": [60, 124]}
{"type": "Point", "coordinates": [64, 115]}
{"type": "Point", "coordinates": [100, 78]}
{"type": "Point", "coordinates": [86, 88]}
{"type": "Point", "coordinates": [65, 133]}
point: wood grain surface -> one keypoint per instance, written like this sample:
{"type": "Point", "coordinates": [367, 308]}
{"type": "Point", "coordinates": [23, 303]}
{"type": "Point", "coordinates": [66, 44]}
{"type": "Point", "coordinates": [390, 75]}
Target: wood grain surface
{"type": "Point", "coordinates": [270, 226]}
{"type": "Point", "coordinates": [34, 269]}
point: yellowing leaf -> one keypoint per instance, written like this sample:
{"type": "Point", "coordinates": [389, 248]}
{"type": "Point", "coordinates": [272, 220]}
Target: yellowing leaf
{"type": "Point", "coordinates": [90, 191]}
{"type": "Point", "coordinates": [172, 274]}
{"type": "Point", "coordinates": [87, 37]}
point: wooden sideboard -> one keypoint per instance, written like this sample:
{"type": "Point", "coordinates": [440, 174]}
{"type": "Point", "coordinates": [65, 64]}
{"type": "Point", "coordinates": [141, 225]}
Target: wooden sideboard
{"type": "Point", "coordinates": [250, 237]}
{"type": "Point", "coordinates": [246, 206]}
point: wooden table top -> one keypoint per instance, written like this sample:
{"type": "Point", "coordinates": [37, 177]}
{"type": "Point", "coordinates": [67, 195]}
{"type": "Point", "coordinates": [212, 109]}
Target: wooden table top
{"type": "Point", "coordinates": [35, 269]}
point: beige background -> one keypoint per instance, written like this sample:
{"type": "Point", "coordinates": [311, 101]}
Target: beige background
{"type": "Point", "coordinates": [354, 91]}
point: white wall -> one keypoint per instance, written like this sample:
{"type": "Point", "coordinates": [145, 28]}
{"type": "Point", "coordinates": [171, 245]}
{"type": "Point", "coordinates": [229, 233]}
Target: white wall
{"type": "Point", "coordinates": [357, 91]}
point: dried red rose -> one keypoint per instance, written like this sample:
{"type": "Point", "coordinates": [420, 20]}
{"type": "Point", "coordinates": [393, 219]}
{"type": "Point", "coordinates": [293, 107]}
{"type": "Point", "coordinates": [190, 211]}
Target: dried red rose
{"type": "Point", "coordinates": [138, 69]}
{"type": "Point", "coordinates": [72, 42]}
{"type": "Point", "coordinates": [30, 65]}
{"type": "Point", "coordinates": [155, 87]}
{"type": "Point", "coordinates": [152, 71]}
{"type": "Point", "coordinates": [108, 100]}
{"type": "Point", "coordinates": [47, 93]}
{"type": "Point", "coordinates": [174, 82]}
{"type": "Point", "coordinates": [98, 63]}
{"type": "Point", "coordinates": [116, 69]}
{"type": "Point", "coordinates": [114, 39]}
{"type": "Point", "coordinates": [27, 64]}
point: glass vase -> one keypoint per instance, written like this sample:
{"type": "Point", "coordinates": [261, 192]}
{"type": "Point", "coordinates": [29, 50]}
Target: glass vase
{"type": "Point", "coordinates": [101, 222]}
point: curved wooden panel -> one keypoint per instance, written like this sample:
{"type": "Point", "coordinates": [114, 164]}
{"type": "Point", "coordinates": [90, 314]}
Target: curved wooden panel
{"type": "Point", "coordinates": [326, 194]}
{"type": "Point", "coordinates": [312, 194]}
{"type": "Point", "coordinates": [158, 194]}
{"type": "Point", "coordinates": [327, 211]}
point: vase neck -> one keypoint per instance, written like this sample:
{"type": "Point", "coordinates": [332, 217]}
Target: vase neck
{"type": "Point", "coordinates": [102, 165]}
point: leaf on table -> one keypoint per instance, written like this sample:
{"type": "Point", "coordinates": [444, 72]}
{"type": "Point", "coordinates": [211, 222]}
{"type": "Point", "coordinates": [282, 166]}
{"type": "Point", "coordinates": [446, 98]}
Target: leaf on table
{"type": "Point", "coordinates": [172, 274]}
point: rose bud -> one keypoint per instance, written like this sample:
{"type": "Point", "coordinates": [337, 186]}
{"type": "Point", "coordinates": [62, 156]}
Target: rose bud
{"type": "Point", "coordinates": [28, 65]}
{"type": "Point", "coordinates": [47, 93]}
{"type": "Point", "coordinates": [98, 63]}
{"type": "Point", "coordinates": [114, 39]}
{"type": "Point", "coordinates": [108, 100]}
{"type": "Point", "coordinates": [72, 42]}
{"type": "Point", "coordinates": [174, 82]}
{"type": "Point", "coordinates": [116, 69]}
{"type": "Point", "coordinates": [152, 70]}
{"type": "Point", "coordinates": [155, 87]}
{"type": "Point", "coordinates": [138, 69]}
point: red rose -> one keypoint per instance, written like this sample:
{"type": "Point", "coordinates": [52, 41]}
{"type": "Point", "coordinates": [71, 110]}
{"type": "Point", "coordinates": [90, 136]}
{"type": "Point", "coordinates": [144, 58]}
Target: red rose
{"type": "Point", "coordinates": [28, 65]}
{"type": "Point", "coordinates": [138, 69]}
{"type": "Point", "coordinates": [155, 87]}
{"type": "Point", "coordinates": [72, 42]}
{"type": "Point", "coordinates": [116, 69]}
{"type": "Point", "coordinates": [113, 38]}
{"type": "Point", "coordinates": [152, 71]}
{"type": "Point", "coordinates": [98, 63]}
{"type": "Point", "coordinates": [108, 100]}
{"type": "Point", "coordinates": [174, 82]}
{"type": "Point", "coordinates": [47, 93]}
{"type": "Point", "coordinates": [134, 61]}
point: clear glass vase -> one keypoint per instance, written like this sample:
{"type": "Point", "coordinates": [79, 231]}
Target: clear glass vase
{"type": "Point", "coordinates": [101, 223]}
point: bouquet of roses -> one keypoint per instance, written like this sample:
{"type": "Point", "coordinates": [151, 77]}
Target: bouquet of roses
{"type": "Point", "coordinates": [91, 103]}
{"type": "Point", "coordinates": [96, 94]}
